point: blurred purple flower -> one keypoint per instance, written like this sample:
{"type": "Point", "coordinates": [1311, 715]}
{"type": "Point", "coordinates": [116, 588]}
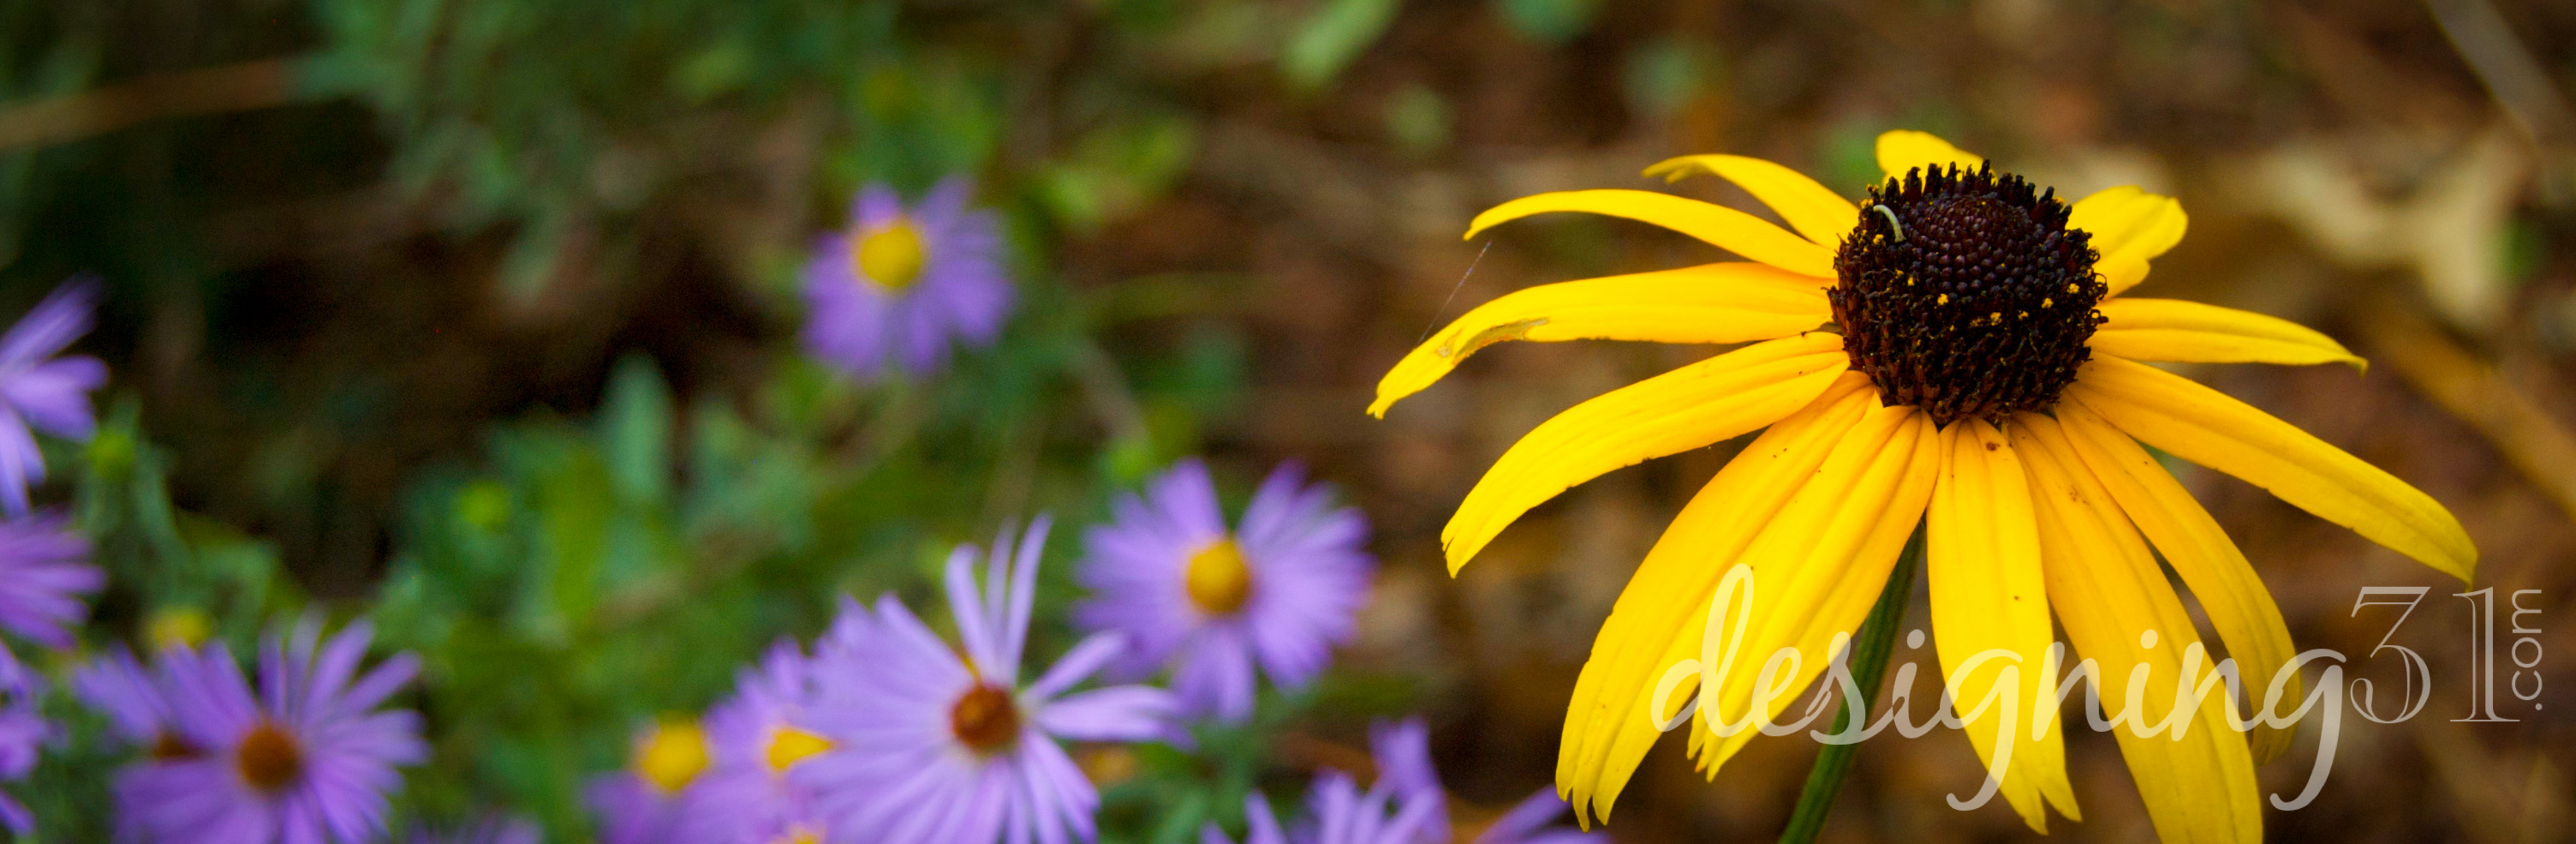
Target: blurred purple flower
{"type": "Point", "coordinates": [490, 830]}
{"type": "Point", "coordinates": [1406, 805]}
{"type": "Point", "coordinates": [23, 731]}
{"type": "Point", "coordinates": [39, 389]}
{"type": "Point", "coordinates": [935, 746]}
{"type": "Point", "coordinates": [1279, 591]}
{"type": "Point", "coordinates": [133, 697]}
{"type": "Point", "coordinates": [306, 759]}
{"type": "Point", "coordinates": [643, 804]}
{"type": "Point", "coordinates": [901, 284]}
{"type": "Point", "coordinates": [44, 576]}
{"type": "Point", "coordinates": [756, 738]}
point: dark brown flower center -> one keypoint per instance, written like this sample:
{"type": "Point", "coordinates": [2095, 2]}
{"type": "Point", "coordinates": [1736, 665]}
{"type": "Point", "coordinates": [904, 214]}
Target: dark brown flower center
{"type": "Point", "coordinates": [985, 718]}
{"type": "Point", "coordinates": [168, 747]}
{"type": "Point", "coordinates": [269, 758]}
{"type": "Point", "coordinates": [1964, 293]}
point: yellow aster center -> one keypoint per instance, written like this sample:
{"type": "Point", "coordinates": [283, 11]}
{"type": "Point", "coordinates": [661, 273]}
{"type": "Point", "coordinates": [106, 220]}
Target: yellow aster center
{"type": "Point", "coordinates": [890, 256]}
{"type": "Point", "coordinates": [789, 745]}
{"type": "Point", "coordinates": [1217, 578]}
{"type": "Point", "coordinates": [672, 755]}
{"type": "Point", "coordinates": [799, 834]}
{"type": "Point", "coordinates": [178, 627]}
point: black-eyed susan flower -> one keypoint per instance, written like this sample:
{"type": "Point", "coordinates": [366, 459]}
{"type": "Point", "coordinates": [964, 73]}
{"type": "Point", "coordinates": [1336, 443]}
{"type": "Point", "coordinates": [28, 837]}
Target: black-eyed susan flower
{"type": "Point", "coordinates": [1953, 351]}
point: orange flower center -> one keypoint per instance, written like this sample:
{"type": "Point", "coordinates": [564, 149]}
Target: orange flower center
{"type": "Point", "coordinates": [269, 758]}
{"type": "Point", "coordinates": [985, 718]}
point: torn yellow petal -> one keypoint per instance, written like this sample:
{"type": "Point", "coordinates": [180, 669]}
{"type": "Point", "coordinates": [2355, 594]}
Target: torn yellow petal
{"type": "Point", "coordinates": [1717, 225]}
{"type": "Point", "coordinates": [2199, 785]}
{"type": "Point", "coordinates": [1813, 209]}
{"type": "Point", "coordinates": [2129, 227]}
{"type": "Point", "coordinates": [2176, 331]}
{"type": "Point", "coordinates": [1666, 601]}
{"type": "Point", "coordinates": [1906, 149]}
{"type": "Point", "coordinates": [2248, 622]}
{"type": "Point", "coordinates": [1820, 563]}
{"type": "Point", "coordinates": [1724, 396]}
{"type": "Point", "coordinates": [2207, 427]}
{"type": "Point", "coordinates": [1988, 597]}
{"type": "Point", "coordinates": [1732, 302]}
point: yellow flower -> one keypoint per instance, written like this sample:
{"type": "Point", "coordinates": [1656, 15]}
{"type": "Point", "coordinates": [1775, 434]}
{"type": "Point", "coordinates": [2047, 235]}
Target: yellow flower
{"type": "Point", "coordinates": [1949, 351]}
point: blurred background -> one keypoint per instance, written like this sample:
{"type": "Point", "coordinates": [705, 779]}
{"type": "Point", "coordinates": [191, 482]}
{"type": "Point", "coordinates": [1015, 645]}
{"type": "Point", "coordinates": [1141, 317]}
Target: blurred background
{"type": "Point", "coordinates": [479, 317]}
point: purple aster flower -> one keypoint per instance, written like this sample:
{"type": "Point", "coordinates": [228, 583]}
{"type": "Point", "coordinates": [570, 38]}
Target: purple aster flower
{"type": "Point", "coordinates": [44, 574]}
{"type": "Point", "coordinates": [23, 730]}
{"type": "Point", "coordinates": [306, 758]}
{"type": "Point", "coordinates": [1279, 591]}
{"type": "Point", "coordinates": [490, 830]}
{"type": "Point", "coordinates": [134, 698]}
{"type": "Point", "coordinates": [937, 746]}
{"type": "Point", "coordinates": [901, 284]}
{"type": "Point", "coordinates": [1338, 811]}
{"type": "Point", "coordinates": [39, 389]}
{"type": "Point", "coordinates": [756, 739]}
{"type": "Point", "coordinates": [1406, 805]}
{"type": "Point", "coordinates": [642, 805]}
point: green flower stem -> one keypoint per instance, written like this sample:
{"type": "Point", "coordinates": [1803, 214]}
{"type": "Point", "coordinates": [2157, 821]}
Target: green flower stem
{"type": "Point", "coordinates": [1869, 650]}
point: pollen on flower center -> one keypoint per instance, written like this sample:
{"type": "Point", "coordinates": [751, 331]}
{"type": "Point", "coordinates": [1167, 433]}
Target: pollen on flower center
{"type": "Point", "coordinates": [985, 718]}
{"type": "Point", "coordinates": [672, 755]}
{"type": "Point", "coordinates": [789, 745]}
{"type": "Point", "coordinates": [890, 256]}
{"type": "Point", "coordinates": [1218, 579]}
{"type": "Point", "coordinates": [1964, 293]}
{"type": "Point", "coordinates": [269, 757]}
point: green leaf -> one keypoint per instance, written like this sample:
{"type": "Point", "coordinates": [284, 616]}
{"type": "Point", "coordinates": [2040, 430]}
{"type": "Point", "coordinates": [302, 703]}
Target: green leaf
{"type": "Point", "coordinates": [1331, 39]}
{"type": "Point", "coordinates": [635, 431]}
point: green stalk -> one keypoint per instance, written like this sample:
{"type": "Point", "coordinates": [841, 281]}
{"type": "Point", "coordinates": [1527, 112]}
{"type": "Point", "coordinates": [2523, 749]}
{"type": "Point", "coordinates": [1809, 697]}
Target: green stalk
{"type": "Point", "coordinates": [1869, 650]}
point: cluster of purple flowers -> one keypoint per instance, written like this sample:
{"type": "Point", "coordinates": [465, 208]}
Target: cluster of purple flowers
{"type": "Point", "coordinates": [883, 731]}
{"type": "Point", "coordinates": [45, 575]}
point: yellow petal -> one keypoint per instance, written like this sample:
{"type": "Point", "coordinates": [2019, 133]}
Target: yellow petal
{"type": "Point", "coordinates": [1820, 563]}
{"type": "Point", "coordinates": [2177, 331]}
{"type": "Point", "coordinates": [1667, 599]}
{"type": "Point", "coordinates": [2207, 427]}
{"type": "Point", "coordinates": [1732, 302]}
{"type": "Point", "coordinates": [1717, 225]}
{"type": "Point", "coordinates": [1906, 149]}
{"type": "Point", "coordinates": [1982, 566]}
{"type": "Point", "coordinates": [2129, 226]}
{"type": "Point", "coordinates": [1813, 209]}
{"type": "Point", "coordinates": [2199, 550]}
{"type": "Point", "coordinates": [2198, 786]}
{"type": "Point", "coordinates": [1724, 396]}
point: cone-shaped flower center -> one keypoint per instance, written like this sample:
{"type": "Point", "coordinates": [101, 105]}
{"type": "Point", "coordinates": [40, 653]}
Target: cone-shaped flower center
{"type": "Point", "coordinates": [1964, 293]}
{"type": "Point", "coordinates": [269, 758]}
{"type": "Point", "coordinates": [1218, 580]}
{"type": "Point", "coordinates": [985, 718]}
{"type": "Point", "coordinates": [890, 256]}
{"type": "Point", "coordinates": [789, 745]}
{"type": "Point", "coordinates": [672, 755]}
